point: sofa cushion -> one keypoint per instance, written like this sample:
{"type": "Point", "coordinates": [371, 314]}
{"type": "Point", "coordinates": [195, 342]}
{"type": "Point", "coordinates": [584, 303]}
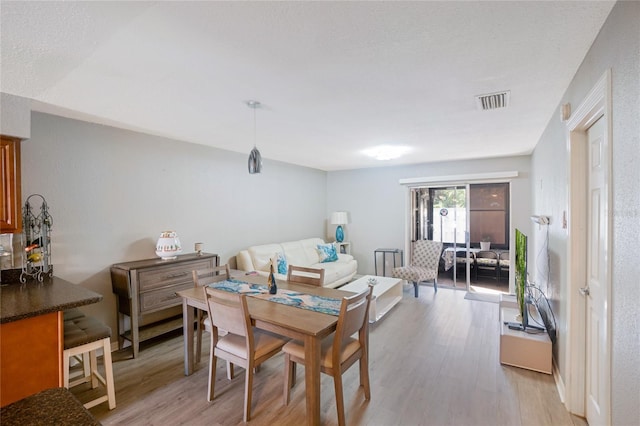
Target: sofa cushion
{"type": "Point", "coordinates": [261, 255]}
{"type": "Point", "coordinates": [302, 252]}
{"type": "Point", "coordinates": [338, 271]}
{"type": "Point", "coordinates": [280, 264]}
{"type": "Point", "coordinates": [327, 253]}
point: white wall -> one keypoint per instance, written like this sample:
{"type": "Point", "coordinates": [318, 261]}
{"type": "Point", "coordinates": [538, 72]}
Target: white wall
{"type": "Point", "coordinates": [15, 116]}
{"type": "Point", "coordinates": [377, 202]}
{"type": "Point", "coordinates": [617, 47]}
{"type": "Point", "coordinates": [111, 192]}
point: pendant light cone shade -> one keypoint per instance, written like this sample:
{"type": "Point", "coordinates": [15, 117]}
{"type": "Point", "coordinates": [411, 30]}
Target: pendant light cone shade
{"type": "Point", "coordinates": [255, 159]}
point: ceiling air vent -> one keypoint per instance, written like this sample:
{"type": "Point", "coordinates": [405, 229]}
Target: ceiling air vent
{"type": "Point", "coordinates": [493, 100]}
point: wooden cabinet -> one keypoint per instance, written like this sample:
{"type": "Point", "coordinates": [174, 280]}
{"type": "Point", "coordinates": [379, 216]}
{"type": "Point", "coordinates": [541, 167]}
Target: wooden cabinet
{"type": "Point", "coordinates": [31, 356]}
{"type": "Point", "coordinates": [146, 294]}
{"type": "Point", "coordinates": [11, 197]}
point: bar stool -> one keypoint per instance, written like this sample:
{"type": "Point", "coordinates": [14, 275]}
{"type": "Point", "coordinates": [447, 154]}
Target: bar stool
{"type": "Point", "coordinates": [84, 335]}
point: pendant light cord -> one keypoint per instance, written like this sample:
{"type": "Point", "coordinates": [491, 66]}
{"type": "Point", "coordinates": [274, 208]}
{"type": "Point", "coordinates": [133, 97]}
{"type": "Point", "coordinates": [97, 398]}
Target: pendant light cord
{"type": "Point", "coordinates": [254, 125]}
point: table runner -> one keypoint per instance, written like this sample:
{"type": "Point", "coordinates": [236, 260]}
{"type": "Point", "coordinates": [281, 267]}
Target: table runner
{"type": "Point", "coordinates": [311, 302]}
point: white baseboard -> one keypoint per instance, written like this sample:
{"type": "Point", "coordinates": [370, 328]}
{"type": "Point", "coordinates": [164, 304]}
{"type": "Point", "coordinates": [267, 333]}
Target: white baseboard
{"type": "Point", "coordinates": [559, 382]}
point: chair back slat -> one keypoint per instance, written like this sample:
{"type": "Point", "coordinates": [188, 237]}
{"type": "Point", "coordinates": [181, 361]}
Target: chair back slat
{"type": "Point", "coordinates": [304, 275]}
{"type": "Point", "coordinates": [202, 277]}
{"type": "Point", "coordinates": [228, 311]}
{"type": "Point", "coordinates": [354, 315]}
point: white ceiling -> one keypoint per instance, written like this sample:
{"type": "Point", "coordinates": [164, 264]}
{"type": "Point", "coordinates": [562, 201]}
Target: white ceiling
{"type": "Point", "coordinates": [334, 78]}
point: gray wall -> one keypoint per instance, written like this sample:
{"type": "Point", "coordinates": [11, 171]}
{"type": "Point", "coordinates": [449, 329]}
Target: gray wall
{"type": "Point", "coordinates": [377, 202]}
{"type": "Point", "coordinates": [617, 47]}
{"type": "Point", "coordinates": [111, 192]}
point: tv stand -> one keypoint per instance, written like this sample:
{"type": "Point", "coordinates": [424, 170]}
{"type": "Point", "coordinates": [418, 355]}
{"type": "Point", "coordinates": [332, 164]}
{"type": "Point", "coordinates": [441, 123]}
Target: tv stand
{"type": "Point", "coordinates": [530, 348]}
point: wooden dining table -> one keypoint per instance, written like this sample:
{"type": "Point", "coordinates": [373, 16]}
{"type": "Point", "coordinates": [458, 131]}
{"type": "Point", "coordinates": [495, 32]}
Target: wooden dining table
{"type": "Point", "coordinates": [304, 325]}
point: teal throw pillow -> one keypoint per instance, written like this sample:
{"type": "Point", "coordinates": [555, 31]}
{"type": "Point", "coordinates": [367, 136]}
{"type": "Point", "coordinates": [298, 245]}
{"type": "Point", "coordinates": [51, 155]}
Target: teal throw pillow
{"type": "Point", "coordinates": [327, 253]}
{"type": "Point", "coordinates": [282, 264]}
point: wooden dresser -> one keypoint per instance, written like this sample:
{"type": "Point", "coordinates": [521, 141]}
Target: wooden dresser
{"type": "Point", "coordinates": [146, 294]}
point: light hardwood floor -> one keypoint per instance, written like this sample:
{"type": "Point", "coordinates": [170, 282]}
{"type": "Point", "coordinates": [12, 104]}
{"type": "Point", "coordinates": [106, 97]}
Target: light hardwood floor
{"type": "Point", "coordinates": [433, 361]}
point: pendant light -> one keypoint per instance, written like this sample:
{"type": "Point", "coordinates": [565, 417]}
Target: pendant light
{"type": "Point", "coordinates": [255, 159]}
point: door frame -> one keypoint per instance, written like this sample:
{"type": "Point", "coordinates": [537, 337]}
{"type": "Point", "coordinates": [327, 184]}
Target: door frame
{"type": "Point", "coordinates": [597, 104]}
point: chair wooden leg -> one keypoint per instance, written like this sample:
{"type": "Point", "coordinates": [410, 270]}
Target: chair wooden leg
{"type": "Point", "coordinates": [93, 357]}
{"type": "Point", "coordinates": [364, 377]}
{"type": "Point", "coordinates": [108, 369]}
{"type": "Point", "coordinates": [337, 382]}
{"type": "Point", "coordinates": [289, 370]}
{"type": "Point", "coordinates": [213, 361]}
{"type": "Point", "coordinates": [230, 371]}
{"type": "Point", "coordinates": [86, 365]}
{"type": "Point", "coordinates": [293, 374]}
{"type": "Point", "coordinates": [199, 325]}
{"type": "Point", "coordinates": [248, 389]}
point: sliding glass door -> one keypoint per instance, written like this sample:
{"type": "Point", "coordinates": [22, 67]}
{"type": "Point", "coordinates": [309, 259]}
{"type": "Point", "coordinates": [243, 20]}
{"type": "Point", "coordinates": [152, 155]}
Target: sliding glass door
{"type": "Point", "coordinates": [441, 214]}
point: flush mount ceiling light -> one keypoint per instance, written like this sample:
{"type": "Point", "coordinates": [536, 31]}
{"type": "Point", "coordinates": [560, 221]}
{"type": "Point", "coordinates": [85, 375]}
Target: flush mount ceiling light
{"type": "Point", "coordinates": [255, 159]}
{"type": "Point", "coordinates": [386, 152]}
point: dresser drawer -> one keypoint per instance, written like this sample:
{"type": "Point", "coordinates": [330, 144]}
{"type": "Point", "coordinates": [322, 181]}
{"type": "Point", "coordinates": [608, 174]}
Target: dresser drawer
{"type": "Point", "coordinates": [162, 298]}
{"type": "Point", "coordinates": [170, 275]}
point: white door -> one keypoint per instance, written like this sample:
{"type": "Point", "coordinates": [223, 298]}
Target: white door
{"type": "Point", "coordinates": [597, 404]}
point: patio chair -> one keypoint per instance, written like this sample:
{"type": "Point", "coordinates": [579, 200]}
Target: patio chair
{"type": "Point", "coordinates": [487, 263]}
{"type": "Point", "coordinates": [424, 264]}
{"type": "Point", "coordinates": [503, 264]}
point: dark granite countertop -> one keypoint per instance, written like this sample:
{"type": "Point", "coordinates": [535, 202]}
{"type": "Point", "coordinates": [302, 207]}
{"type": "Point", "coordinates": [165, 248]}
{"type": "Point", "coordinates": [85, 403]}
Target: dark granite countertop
{"type": "Point", "coordinates": [20, 301]}
{"type": "Point", "coordinates": [55, 406]}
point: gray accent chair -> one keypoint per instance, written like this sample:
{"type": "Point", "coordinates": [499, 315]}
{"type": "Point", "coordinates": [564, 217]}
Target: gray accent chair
{"type": "Point", "coordinates": [424, 264]}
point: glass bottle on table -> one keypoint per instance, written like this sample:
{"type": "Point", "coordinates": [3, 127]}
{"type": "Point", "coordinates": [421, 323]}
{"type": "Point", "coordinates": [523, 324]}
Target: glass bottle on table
{"type": "Point", "coordinates": [273, 288]}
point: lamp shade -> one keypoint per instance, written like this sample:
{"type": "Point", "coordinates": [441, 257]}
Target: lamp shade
{"type": "Point", "coordinates": [339, 218]}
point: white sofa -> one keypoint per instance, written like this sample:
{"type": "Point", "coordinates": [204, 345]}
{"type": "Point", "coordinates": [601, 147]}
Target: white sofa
{"type": "Point", "coordinates": [298, 253]}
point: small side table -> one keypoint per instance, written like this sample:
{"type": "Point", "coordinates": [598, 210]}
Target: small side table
{"type": "Point", "coordinates": [343, 247]}
{"type": "Point", "coordinates": [393, 252]}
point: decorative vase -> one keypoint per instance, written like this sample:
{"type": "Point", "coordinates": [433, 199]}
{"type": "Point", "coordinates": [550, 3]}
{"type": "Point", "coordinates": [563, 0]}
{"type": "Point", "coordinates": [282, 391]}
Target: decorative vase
{"type": "Point", "coordinates": [168, 246]}
{"type": "Point", "coordinates": [485, 245]}
{"type": "Point", "coordinates": [273, 287]}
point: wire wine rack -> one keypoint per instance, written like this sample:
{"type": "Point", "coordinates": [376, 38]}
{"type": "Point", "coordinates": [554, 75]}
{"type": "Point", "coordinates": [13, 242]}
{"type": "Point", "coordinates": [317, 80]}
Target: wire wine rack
{"type": "Point", "coordinates": [37, 238]}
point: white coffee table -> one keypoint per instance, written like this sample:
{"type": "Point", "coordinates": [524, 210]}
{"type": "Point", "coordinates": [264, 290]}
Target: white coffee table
{"type": "Point", "coordinates": [386, 294]}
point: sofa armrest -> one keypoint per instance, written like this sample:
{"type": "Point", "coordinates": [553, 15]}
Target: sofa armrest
{"type": "Point", "coordinates": [244, 262]}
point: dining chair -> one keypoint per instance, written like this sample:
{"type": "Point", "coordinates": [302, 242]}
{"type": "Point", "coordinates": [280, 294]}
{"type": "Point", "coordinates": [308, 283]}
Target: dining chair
{"type": "Point", "coordinates": [339, 351]}
{"type": "Point", "coordinates": [203, 277]}
{"type": "Point", "coordinates": [425, 260]}
{"type": "Point", "coordinates": [503, 263]}
{"type": "Point", "coordinates": [242, 345]}
{"type": "Point", "coordinates": [304, 275]}
{"type": "Point", "coordinates": [487, 261]}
